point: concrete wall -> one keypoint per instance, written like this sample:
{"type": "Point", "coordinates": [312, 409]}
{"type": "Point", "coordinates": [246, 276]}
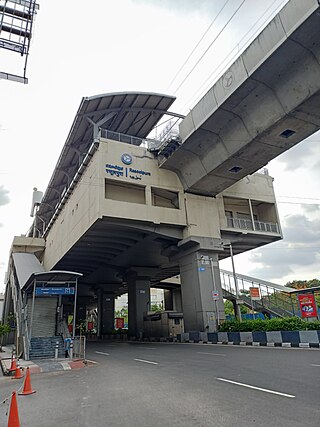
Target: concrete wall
{"type": "Point", "coordinates": [154, 179]}
{"type": "Point", "coordinates": [139, 187]}
{"type": "Point", "coordinates": [78, 214]}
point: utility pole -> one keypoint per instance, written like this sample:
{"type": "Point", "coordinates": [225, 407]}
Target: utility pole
{"type": "Point", "coordinates": [238, 313]}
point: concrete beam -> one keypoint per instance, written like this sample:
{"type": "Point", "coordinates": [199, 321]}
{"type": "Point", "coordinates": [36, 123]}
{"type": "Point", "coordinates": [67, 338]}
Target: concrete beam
{"type": "Point", "coordinates": [266, 102]}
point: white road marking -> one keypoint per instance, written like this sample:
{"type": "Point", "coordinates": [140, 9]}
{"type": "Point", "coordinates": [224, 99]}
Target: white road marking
{"type": "Point", "coordinates": [150, 348]}
{"type": "Point", "coordinates": [257, 388]}
{"type": "Point", "coordinates": [211, 354]}
{"type": "Point", "coordinates": [146, 361]}
{"type": "Point", "coordinates": [101, 352]}
{"type": "Point", "coordinates": [313, 364]}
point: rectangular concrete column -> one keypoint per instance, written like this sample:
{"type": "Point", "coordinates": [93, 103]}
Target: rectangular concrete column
{"type": "Point", "coordinates": [138, 303]}
{"type": "Point", "coordinates": [177, 300]}
{"type": "Point", "coordinates": [107, 313]}
{"type": "Point", "coordinates": [200, 276]}
{"type": "Point", "coordinates": [168, 299]}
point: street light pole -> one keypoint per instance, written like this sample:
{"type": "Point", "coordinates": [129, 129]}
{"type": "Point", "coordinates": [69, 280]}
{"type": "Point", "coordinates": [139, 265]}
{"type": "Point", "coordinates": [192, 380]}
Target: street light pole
{"type": "Point", "coordinates": [238, 309]}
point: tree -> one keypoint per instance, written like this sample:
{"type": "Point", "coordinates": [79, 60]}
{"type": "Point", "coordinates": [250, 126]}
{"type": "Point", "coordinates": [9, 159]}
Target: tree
{"type": "Point", "coordinates": [4, 329]}
{"type": "Point", "coordinates": [156, 307]}
{"type": "Point", "coordinates": [305, 284]}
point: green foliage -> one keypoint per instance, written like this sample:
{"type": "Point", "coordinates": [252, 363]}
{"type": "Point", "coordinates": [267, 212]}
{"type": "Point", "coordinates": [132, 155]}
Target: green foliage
{"type": "Point", "coordinates": [4, 329]}
{"type": "Point", "coordinates": [303, 284]}
{"type": "Point", "coordinates": [275, 324]}
{"type": "Point", "coordinates": [228, 308]}
{"type": "Point", "coordinates": [156, 307]}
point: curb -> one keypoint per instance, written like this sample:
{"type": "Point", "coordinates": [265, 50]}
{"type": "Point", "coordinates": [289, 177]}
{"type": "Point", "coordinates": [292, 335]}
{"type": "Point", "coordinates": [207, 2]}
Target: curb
{"type": "Point", "coordinates": [286, 339]}
{"type": "Point", "coordinates": [44, 365]}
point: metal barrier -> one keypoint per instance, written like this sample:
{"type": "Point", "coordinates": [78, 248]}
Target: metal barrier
{"type": "Point", "coordinates": [79, 347]}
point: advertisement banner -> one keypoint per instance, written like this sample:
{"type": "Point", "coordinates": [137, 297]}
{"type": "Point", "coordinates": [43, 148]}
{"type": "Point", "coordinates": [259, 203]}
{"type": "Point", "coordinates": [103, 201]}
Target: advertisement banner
{"type": "Point", "coordinates": [308, 305]}
{"type": "Point", "coordinates": [255, 293]}
{"type": "Point", "coordinates": [119, 322]}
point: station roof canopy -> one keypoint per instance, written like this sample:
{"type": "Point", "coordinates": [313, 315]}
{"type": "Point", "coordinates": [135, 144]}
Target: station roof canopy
{"type": "Point", "coordinates": [52, 278]}
{"type": "Point", "coordinates": [132, 113]}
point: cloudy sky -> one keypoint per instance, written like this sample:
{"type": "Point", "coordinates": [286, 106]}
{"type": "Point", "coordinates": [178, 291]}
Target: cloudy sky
{"type": "Point", "coordinates": [176, 47]}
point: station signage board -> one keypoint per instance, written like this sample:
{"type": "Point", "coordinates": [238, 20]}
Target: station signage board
{"type": "Point", "coordinates": [47, 291]}
{"type": "Point", "coordinates": [308, 305]}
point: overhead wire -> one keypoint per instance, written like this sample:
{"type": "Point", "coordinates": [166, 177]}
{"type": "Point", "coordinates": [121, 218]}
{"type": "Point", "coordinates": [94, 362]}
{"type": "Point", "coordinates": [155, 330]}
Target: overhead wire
{"type": "Point", "coordinates": [238, 51]}
{"type": "Point", "coordinates": [210, 45]}
{"type": "Point", "coordinates": [197, 45]}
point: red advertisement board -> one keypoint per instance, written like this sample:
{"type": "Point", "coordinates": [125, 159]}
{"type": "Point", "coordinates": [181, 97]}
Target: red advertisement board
{"type": "Point", "coordinates": [119, 322]}
{"type": "Point", "coordinates": [308, 305]}
{"type": "Point", "coordinates": [255, 293]}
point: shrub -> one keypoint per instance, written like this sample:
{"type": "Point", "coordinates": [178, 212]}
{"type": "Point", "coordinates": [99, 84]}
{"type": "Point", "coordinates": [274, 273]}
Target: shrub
{"type": "Point", "coordinates": [275, 324]}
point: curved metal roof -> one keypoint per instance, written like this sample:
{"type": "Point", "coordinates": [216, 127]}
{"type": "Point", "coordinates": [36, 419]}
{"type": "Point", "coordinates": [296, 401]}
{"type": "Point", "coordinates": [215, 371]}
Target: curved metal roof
{"type": "Point", "coordinates": [52, 277]}
{"type": "Point", "coordinates": [132, 113]}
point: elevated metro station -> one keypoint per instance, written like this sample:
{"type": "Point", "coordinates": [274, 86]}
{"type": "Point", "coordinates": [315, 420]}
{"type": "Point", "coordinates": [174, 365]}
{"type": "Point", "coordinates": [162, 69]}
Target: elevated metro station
{"type": "Point", "coordinates": [124, 212]}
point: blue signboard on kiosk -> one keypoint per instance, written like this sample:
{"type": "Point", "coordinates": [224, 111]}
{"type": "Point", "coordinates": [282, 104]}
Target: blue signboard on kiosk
{"type": "Point", "coordinates": [54, 291]}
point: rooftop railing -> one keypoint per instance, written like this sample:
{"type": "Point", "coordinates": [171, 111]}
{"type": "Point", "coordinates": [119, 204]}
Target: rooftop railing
{"type": "Point", "coordinates": [247, 224]}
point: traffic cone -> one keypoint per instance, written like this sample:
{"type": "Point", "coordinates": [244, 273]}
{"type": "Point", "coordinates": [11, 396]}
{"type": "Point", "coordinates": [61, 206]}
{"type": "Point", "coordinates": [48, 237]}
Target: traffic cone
{"type": "Point", "coordinates": [13, 420]}
{"type": "Point", "coordinates": [13, 366]}
{"type": "Point", "coordinates": [18, 374]}
{"type": "Point", "coordinates": [27, 389]}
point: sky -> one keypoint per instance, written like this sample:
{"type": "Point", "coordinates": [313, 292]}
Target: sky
{"type": "Point", "coordinates": [176, 47]}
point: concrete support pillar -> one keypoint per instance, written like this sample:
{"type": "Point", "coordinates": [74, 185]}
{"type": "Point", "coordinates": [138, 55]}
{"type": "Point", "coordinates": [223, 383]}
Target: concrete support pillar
{"type": "Point", "coordinates": [138, 303]}
{"type": "Point", "coordinates": [107, 315]}
{"type": "Point", "coordinates": [168, 299]}
{"type": "Point", "coordinates": [200, 277]}
{"type": "Point", "coordinates": [177, 300]}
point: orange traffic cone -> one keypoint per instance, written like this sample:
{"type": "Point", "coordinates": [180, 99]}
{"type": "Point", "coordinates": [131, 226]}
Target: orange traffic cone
{"type": "Point", "coordinates": [13, 366]}
{"type": "Point", "coordinates": [18, 374]}
{"type": "Point", "coordinates": [27, 389]}
{"type": "Point", "coordinates": [13, 420]}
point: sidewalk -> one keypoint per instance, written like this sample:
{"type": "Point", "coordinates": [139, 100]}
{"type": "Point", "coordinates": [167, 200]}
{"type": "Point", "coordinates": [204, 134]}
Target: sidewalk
{"type": "Point", "coordinates": [40, 365]}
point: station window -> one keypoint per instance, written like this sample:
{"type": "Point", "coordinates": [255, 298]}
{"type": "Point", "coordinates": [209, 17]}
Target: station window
{"type": "Point", "coordinates": [165, 198]}
{"type": "Point", "coordinates": [124, 192]}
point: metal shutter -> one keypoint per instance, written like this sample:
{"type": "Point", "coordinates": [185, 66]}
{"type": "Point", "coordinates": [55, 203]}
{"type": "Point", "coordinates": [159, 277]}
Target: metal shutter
{"type": "Point", "coordinates": [44, 316]}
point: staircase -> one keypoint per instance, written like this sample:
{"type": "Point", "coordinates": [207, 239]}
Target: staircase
{"type": "Point", "coordinates": [44, 347]}
{"type": "Point", "coordinates": [275, 299]}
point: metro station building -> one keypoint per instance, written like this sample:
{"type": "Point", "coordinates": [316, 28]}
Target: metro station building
{"type": "Point", "coordinates": [125, 211]}
{"type": "Point", "coordinates": [125, 223]}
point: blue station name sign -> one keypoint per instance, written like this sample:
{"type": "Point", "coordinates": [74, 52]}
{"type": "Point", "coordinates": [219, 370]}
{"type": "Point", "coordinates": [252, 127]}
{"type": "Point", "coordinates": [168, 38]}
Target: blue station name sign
{"type": "Point", "coordinates": [63, 290]}
{"type": "Point", "coordinates": [126, 171]}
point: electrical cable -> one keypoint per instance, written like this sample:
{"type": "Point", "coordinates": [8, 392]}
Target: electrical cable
{"type": "Point", "coordinates": [239, 50]}
{"type": "Point", "coordinates": [210, 45]}
{"type": "Point", "coordinates": [197, 45]}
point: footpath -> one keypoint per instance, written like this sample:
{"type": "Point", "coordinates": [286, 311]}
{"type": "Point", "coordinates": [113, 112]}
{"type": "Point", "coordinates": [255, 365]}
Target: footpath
{"type": "Point", "coordinates": [38, 365]}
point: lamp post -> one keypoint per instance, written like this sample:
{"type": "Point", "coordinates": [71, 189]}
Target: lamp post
{"type": "Point", "coordinates": [238, 309]}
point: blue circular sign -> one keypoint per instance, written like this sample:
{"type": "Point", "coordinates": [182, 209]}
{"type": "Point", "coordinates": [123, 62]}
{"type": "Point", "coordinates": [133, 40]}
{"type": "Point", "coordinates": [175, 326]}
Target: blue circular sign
{"type": "Point", "coordinates": [126, 159]}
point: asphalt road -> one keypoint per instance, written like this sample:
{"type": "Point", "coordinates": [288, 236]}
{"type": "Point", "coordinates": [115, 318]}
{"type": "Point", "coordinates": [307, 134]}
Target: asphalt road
{"type": "Point", "coordinates": [160, 384]}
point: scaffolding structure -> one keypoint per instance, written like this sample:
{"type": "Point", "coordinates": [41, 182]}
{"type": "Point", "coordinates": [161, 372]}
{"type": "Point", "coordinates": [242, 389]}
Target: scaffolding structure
{"type": "Point", "coordinates": [16, 21]}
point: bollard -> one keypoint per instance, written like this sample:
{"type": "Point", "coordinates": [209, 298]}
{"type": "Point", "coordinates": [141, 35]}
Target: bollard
{"type": "Point", "coordinates": [56, 351]}
{"type": "Point", "coordinates": [71, 350]}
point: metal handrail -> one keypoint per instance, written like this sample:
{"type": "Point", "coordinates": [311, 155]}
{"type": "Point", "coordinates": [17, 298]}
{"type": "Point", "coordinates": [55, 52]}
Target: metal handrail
{"type": "Point", "coordinates": [272, 299]}
{"type": "Point", "coordinates": [247, 224]}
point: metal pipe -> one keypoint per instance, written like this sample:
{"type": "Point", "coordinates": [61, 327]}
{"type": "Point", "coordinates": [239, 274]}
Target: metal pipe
{"type": "Point", "coordinates": [75, 310]}
{"type": "Point", "coordinates": [215, 301]}
{"type": "Point", "coordinates": [32, 308]}
{"type": "Point", "coordinates": [238, 314]}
